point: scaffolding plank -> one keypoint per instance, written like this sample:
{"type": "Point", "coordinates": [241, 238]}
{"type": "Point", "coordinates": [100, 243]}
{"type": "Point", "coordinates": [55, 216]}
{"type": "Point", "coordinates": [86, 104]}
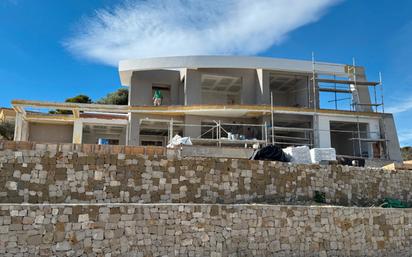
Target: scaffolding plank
{"type": "Point", "coordinates": [369, 139]}
{"type": "Point", "coordinates": [291, 129]}
{"type": "Point", "coordinates": [350, 82]}
{"type": "Point", "coordinates": [368, 104]}
{"type": "Point", "coordinates": [229, 141]}
{"type": "Point", "coordinates": [292, 138]}
{"type": "Point", "coordinates": [333, 90]}
{"type": "Point", "coordinates": [291, 143]}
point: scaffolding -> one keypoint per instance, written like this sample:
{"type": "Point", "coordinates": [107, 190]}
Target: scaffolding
{"type": "Point", "coordinates": [297, 134]}
{"type": "Point", "coordinates": [220, 133]}
{"type": "Point", "coordinates": [351, 86]}
{"type": "Point", "coordinates": [289, 134]}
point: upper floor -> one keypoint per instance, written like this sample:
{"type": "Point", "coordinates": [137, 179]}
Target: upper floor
{"type": "Point", "coordinates": [224, 80]}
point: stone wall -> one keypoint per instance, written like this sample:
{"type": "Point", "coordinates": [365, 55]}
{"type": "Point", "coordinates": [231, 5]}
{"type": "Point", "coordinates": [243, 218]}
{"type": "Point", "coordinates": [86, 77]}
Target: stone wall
{"type": "Point", "coordinates": [88, 200]}
{"type": "Point", "coordinates": [6, 145]}
{"type": "Point", "coordinates": [203, 230]}
{"type": "Point", "coordinates": [38, 177]}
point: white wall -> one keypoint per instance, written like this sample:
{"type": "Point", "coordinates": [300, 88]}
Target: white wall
{"type": "Point", "coordinates": [50, 133]}
{"type": "Point", "coordinates": [323, 127]}
{"type": "Point", "coordinates": [142, 82]}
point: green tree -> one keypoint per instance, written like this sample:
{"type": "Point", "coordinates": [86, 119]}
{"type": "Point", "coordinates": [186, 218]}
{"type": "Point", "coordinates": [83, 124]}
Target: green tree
{"type": "Point", "coordinates": [6, 130]}
{"type": "Point", "coordinates": [84, 99]}
{"type": "Point", "coordinates": [406, 153]}
{"type": "Point", "coordinates": [120, 97]}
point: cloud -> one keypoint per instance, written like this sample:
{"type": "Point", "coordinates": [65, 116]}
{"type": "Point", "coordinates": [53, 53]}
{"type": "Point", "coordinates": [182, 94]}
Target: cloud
{"type": "Point", "coordinates": [153, 28]}
{"type": "Point", "coordinates": [402, 106]}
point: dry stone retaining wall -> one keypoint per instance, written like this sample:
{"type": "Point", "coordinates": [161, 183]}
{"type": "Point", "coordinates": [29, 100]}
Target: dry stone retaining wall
{"type": "Point", "coordinates": [38, 177]}
{"type": "Point", "coordinates": [203, 230]}
{"type": "Point", "coordinates": [83, 148]}
{"type": "Point", "coordinates": [91, 201]}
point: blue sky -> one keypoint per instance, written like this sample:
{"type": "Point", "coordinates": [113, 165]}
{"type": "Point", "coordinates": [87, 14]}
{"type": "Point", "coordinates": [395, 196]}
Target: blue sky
{"type": "Point", "coordinates": [51, 50]}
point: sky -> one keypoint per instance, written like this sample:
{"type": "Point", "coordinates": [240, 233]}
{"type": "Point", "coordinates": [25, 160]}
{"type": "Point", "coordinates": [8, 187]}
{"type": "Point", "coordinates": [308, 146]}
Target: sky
{"type": "Point", "coordinates": [51, 50]}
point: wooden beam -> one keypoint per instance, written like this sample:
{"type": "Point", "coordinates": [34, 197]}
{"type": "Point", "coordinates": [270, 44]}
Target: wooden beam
{"type": "Point", "coordinates": [178, 109]}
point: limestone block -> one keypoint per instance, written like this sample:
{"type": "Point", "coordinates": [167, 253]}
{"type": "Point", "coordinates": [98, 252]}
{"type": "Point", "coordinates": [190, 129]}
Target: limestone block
{"type": "Point", "coordinates": [11, 185]}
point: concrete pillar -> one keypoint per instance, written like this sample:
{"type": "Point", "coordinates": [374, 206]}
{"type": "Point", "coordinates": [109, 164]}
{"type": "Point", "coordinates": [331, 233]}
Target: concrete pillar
{"type": "Point", "coordinates": [321, 127]}
{"type": "Point", "coordinates": [77, 131]}
{"type": "Point", "coordinates": [134, 130]}
{"type": "Point", "coordinates": [263, 87]}
{"type": "Point", "coordinates": [192, 88]}
{"type": "Point", "coordinates": [192, 131]}
{"type": "Point", "coordinates": [126, 134]}
{"type": "Point", "coordinates": [248, 91]}
{"type": "Point", "coordinates": [17, 127]}
{"type": "Point", "coordinates": [393, 146]}
{"type": "Point", "coordinates": [21, 129]}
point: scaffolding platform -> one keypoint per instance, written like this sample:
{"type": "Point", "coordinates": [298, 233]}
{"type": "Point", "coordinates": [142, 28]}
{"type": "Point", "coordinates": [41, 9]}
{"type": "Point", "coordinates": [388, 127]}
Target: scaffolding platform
{"type": "Point", "coordinates": [348, 82]}
{"type": "Point", "coordinates": [335, 90]}
{"type": "Point", "coordinates": [372, 140]}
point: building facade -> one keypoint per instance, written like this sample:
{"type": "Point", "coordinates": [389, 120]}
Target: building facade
{"type": "Point", "coordinates": [228, 101]}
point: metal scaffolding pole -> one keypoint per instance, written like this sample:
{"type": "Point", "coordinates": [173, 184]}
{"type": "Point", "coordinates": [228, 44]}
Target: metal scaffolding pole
{"type": "Point", "coordinates": [336, 96]}
{"type": "Point", "coordinates": [314, 81]}
{"type": "Point", "coordinates": [272, 118]}
{"type": "Point", "coordinates": [315, 122]}
{"type": "Point", "coordinates": [381, 87]}
{"type": "Point", "coordinates": [383, 118]}
{"type": "Point", "coordinates": [219, 133]}
{"type": "Point", "coordinates": [357, 117]}
{"type": "Point", "coordinates": [171, 130]}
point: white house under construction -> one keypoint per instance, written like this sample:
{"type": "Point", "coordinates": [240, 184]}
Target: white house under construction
{"type": "Point", "coordinates": [228, 101]}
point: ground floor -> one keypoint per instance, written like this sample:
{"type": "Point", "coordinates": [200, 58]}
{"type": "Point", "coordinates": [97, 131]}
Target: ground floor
{"type": "Point", "coordinates": [368, 135]}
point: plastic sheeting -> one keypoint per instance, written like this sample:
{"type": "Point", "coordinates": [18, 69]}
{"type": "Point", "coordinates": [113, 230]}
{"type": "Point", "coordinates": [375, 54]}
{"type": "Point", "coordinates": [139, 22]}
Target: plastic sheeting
{"type": "Point", "coordinates": [270, 153]}
{"type": "Point", "coordinates": [178, 140]}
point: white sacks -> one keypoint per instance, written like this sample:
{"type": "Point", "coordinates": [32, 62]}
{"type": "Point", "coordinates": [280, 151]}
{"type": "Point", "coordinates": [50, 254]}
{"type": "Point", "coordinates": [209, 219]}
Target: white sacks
{"type": "Point", "coordinates": [299, 154]}
{"type": "Point", "coordinates": [322, 154]}
{"type": "Point", "coordinates": [178, 140]}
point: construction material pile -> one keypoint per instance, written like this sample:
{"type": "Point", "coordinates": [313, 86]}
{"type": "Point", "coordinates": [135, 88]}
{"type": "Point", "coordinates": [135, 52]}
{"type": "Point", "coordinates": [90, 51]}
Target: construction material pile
{"type": "Point", "coordinates": [304, 155]}
{"type": "Point", "coordinates": [300, 154]}
{"type": "Point", "coordinates": [318, 155]}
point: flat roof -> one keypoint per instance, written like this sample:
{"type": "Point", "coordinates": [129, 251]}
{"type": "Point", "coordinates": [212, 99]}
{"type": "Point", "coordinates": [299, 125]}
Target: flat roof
{"type": "Point", "coordinates": [127, 67]}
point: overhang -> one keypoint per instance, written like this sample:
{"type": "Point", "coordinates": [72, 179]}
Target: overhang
{"type": "Point", "coordinates": [127, 67]}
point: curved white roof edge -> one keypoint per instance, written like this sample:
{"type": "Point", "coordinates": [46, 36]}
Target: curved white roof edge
{"type": "Point", "coordinates": [126, 67]}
